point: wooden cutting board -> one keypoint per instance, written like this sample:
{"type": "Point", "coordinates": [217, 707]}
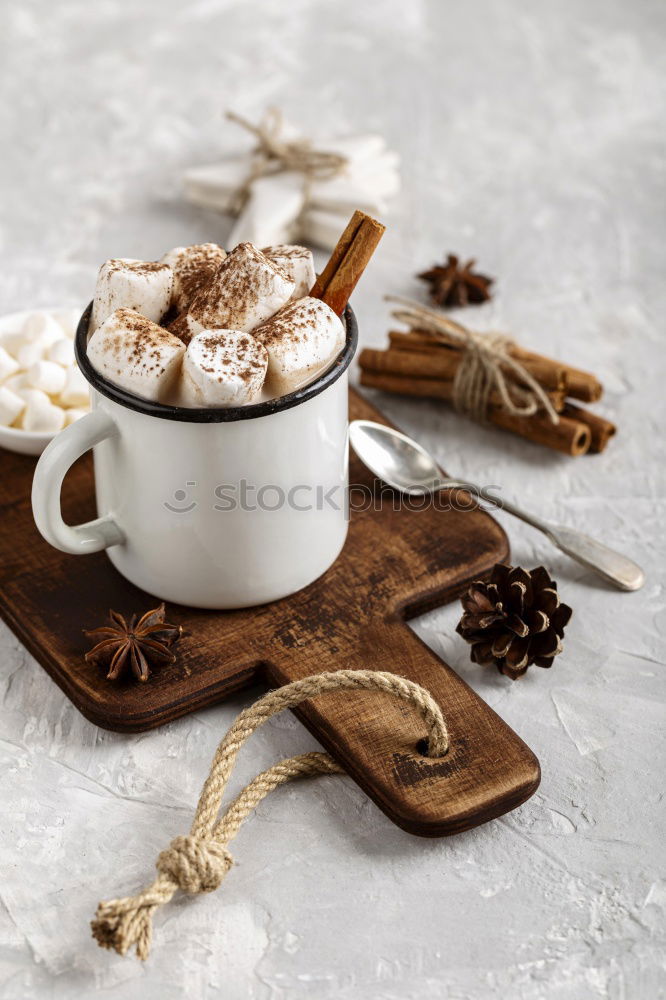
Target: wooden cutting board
{"type": "Point", "coordinates": [396, 564]}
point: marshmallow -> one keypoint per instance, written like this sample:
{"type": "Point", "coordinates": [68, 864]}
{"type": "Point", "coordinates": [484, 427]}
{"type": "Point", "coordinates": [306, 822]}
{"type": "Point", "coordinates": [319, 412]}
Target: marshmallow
{"type": "Point", "coordinates": [31, 342]}
{"type": "Point", "coordinates": [62, 352]}
{"type": "Point", "coordinates": [40, 414]}
{"type": "Point", "coordinates": [11, 340]}
{"type": "Point", "coordinates": [144, 286]}
{"type": "Point", "coordinates": [8, 365]}
{"type": "Point", "coordinates": [223, 368]}
{"type": "Point", "coordinates": [247, 289]}
{"type": "Point", "coordinates": [75, 391]}
{"type": "Point", "coordinates": [73, 414]}
{"type": "Point", "coordinates": [68, 320]}
{"type": "Point", "coordinates": [18, 381]}
{"type": "Point", "coordinates": [301, 340]}
{"type": "Point", "coordinates": [47, 376]}
{"type": "Point", "coordinates": [42, 327]}
{"type": "Point", "coordinates": [136, 354]}
{"type": "Point", "coordinates": [297, 263]}
{"type": "Point", "coordinates": [11, 406]}
{"type": "Point", "coordinates": [30, 352]}
{"type": "Point", "coordinates": [193, 267]}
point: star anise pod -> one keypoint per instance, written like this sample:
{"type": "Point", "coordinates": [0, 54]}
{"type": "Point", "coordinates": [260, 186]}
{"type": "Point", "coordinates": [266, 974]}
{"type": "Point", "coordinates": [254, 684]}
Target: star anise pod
{"type": "Point", "coordinates": [134, 645]}
{"type": "Point", "coordinates": [514, 620]}
{"type": "Point", "coordinates": [456, 284]}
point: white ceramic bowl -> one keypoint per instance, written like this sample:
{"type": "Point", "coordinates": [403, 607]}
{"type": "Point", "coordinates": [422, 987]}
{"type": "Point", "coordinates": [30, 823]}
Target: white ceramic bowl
{"type": "Point", "coordinates": [13, 438]}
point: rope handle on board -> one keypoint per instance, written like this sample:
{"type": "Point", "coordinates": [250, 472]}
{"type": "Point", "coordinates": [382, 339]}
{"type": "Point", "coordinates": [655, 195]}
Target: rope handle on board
{"type": "Point", "coordinates": [199, 861]}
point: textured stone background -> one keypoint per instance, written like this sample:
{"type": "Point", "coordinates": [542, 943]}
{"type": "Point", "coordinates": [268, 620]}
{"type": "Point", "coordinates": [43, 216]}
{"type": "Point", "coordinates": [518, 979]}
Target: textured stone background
{"type": "Point", "coordinates": [532, 136]}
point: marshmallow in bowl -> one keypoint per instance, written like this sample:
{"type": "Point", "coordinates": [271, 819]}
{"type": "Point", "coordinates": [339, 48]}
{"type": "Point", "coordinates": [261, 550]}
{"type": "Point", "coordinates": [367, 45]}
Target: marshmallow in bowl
{"type": "Point", "coordinates": [193, 267]}
{"type": "Point", "coordinates": [67, 320]}
{"type": "Point", "coordinates": [62, 352]}
{"type": "Point", "coordinates": [297, 263]}
{"type": "Point", "coordinates": [73, 414]}
{"type": "Point", "coordinates": [47, 376]}
{"type": "Point", "coordinates": [223, 368]}
{"type": "Point", "coordinates": [124, 283]}
{"type": "Point", "coordinates": [11, 406]}
{"type": "Point", "coordinates": [42, 327]}
{"type": "Point", "coordinates": [136, 354]}
{"type": "Point", "coordinates": [33, 340]}
{"type": "Point", "coordinates": [301, 339]}
{"type": "Point", "coordinates": [8, 365]}
{"type": "Point", "coordinates": [30, 352]}
{"type": "Point", "coordinates": [40, 414]}
{"type": "Point", "coordinates": [16, 382]}
{"type": "Point", "coordinates": [39, 379]}
{"type": "Point", "coordinates": [75, 392]}
{"type": "Point", "coordinates": [247, 289]}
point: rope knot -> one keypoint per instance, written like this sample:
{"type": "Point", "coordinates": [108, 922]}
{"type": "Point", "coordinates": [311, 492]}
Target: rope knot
{"type": "Point", "coordinates": [195, 865]}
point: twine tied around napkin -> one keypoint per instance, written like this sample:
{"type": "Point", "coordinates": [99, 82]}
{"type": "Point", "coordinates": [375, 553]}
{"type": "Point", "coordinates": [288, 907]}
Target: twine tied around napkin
{"type": "Point", "coordinates": [200, 861]}
{"type": "Point", "coordinates": [486, 366]}
{"type": "Point", "coordinates": [275, 155]}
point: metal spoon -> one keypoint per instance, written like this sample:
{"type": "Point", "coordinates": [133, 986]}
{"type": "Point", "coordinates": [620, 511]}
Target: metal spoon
{"type": "Point", "coordinates": [408, 468]}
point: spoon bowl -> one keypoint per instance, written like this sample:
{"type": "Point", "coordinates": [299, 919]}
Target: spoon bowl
{"type": "Point", "coordinates": [395, 458]}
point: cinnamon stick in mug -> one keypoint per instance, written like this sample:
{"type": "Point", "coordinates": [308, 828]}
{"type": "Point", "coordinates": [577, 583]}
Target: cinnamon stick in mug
{"type": "Point", "coordinates": [348, 261]}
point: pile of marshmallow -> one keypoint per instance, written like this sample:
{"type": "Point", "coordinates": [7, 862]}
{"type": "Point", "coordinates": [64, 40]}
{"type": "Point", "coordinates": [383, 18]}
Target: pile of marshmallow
{"type": "Point", "coordinates": [41, 387]}
{"type": "Point", "coordinates": [203, 328]}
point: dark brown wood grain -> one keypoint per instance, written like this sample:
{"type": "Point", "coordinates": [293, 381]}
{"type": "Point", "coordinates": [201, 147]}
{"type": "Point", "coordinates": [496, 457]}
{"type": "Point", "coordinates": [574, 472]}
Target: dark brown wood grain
{"type": "Point", "coordinates": [396, 564]}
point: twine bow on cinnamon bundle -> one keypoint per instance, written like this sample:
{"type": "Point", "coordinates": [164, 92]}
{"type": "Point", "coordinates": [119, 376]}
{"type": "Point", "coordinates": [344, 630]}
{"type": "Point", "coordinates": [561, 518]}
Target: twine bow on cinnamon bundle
{"type": "Point", "coordinates": [488, 377]}
{"type": "Point", "coordinates": [199, 861]}
{"type": "Point", "coordinates": [486, 366]}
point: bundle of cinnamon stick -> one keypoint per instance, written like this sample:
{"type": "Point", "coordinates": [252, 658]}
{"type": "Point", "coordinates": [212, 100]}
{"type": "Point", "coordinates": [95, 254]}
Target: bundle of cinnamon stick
{"type": "Point", "coordinates": [417, 363]}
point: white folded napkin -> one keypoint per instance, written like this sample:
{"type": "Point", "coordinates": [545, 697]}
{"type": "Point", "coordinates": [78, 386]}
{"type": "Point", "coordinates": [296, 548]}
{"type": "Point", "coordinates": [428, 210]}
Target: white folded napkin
{"type": "Point", "coordinates": [286, 207]}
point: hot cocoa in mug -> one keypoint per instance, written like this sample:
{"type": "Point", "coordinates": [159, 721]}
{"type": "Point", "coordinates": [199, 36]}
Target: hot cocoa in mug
{"type": "Point", "coordinates": [219, 395]}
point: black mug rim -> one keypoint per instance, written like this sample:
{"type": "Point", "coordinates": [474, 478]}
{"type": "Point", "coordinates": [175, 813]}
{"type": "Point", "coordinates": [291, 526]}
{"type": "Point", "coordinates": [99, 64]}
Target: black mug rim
{"type": "Point", "coordinates": [213, 415]}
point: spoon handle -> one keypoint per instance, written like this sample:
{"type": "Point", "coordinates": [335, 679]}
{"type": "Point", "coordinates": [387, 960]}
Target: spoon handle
{"type": "Point", "coordinates": [612, 566]}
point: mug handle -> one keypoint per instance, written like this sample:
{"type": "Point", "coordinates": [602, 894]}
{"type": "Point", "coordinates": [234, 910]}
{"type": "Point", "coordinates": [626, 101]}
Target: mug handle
{"type": "Point", "coordinates": [56, 460]}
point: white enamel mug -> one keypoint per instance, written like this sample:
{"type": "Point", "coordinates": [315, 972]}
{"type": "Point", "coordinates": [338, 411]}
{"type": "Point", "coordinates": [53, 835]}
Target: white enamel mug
{"type": "Point", "coordinates": [213, 508]}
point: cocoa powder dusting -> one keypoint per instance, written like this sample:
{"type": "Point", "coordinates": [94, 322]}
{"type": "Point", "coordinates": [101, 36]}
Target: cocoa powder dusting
{"type": "Point", "coordinates": [196, 268]}
{"type": "Point", "coordinates": [136, 266]}
{"type": "Point", "coordinates": [231, 355]}
{"type": "Point", "coordinates": [243, 279]}
{"type": "Point", "coordinates": [141, 335]}
{"type": "Point", "coordinates": [292, 324]}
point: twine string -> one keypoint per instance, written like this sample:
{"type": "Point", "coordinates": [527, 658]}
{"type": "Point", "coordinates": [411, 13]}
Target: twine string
{"type": "Point", "coordinates": [275, 155]}
{"type": "Point", "coordinates": [198, 862]}
{"type": "Point", "coordinates": [486, 365]}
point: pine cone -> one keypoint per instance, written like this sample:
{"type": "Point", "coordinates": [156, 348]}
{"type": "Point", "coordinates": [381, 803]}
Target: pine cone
{"type": "Point", "coordinates": [514, 620]}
